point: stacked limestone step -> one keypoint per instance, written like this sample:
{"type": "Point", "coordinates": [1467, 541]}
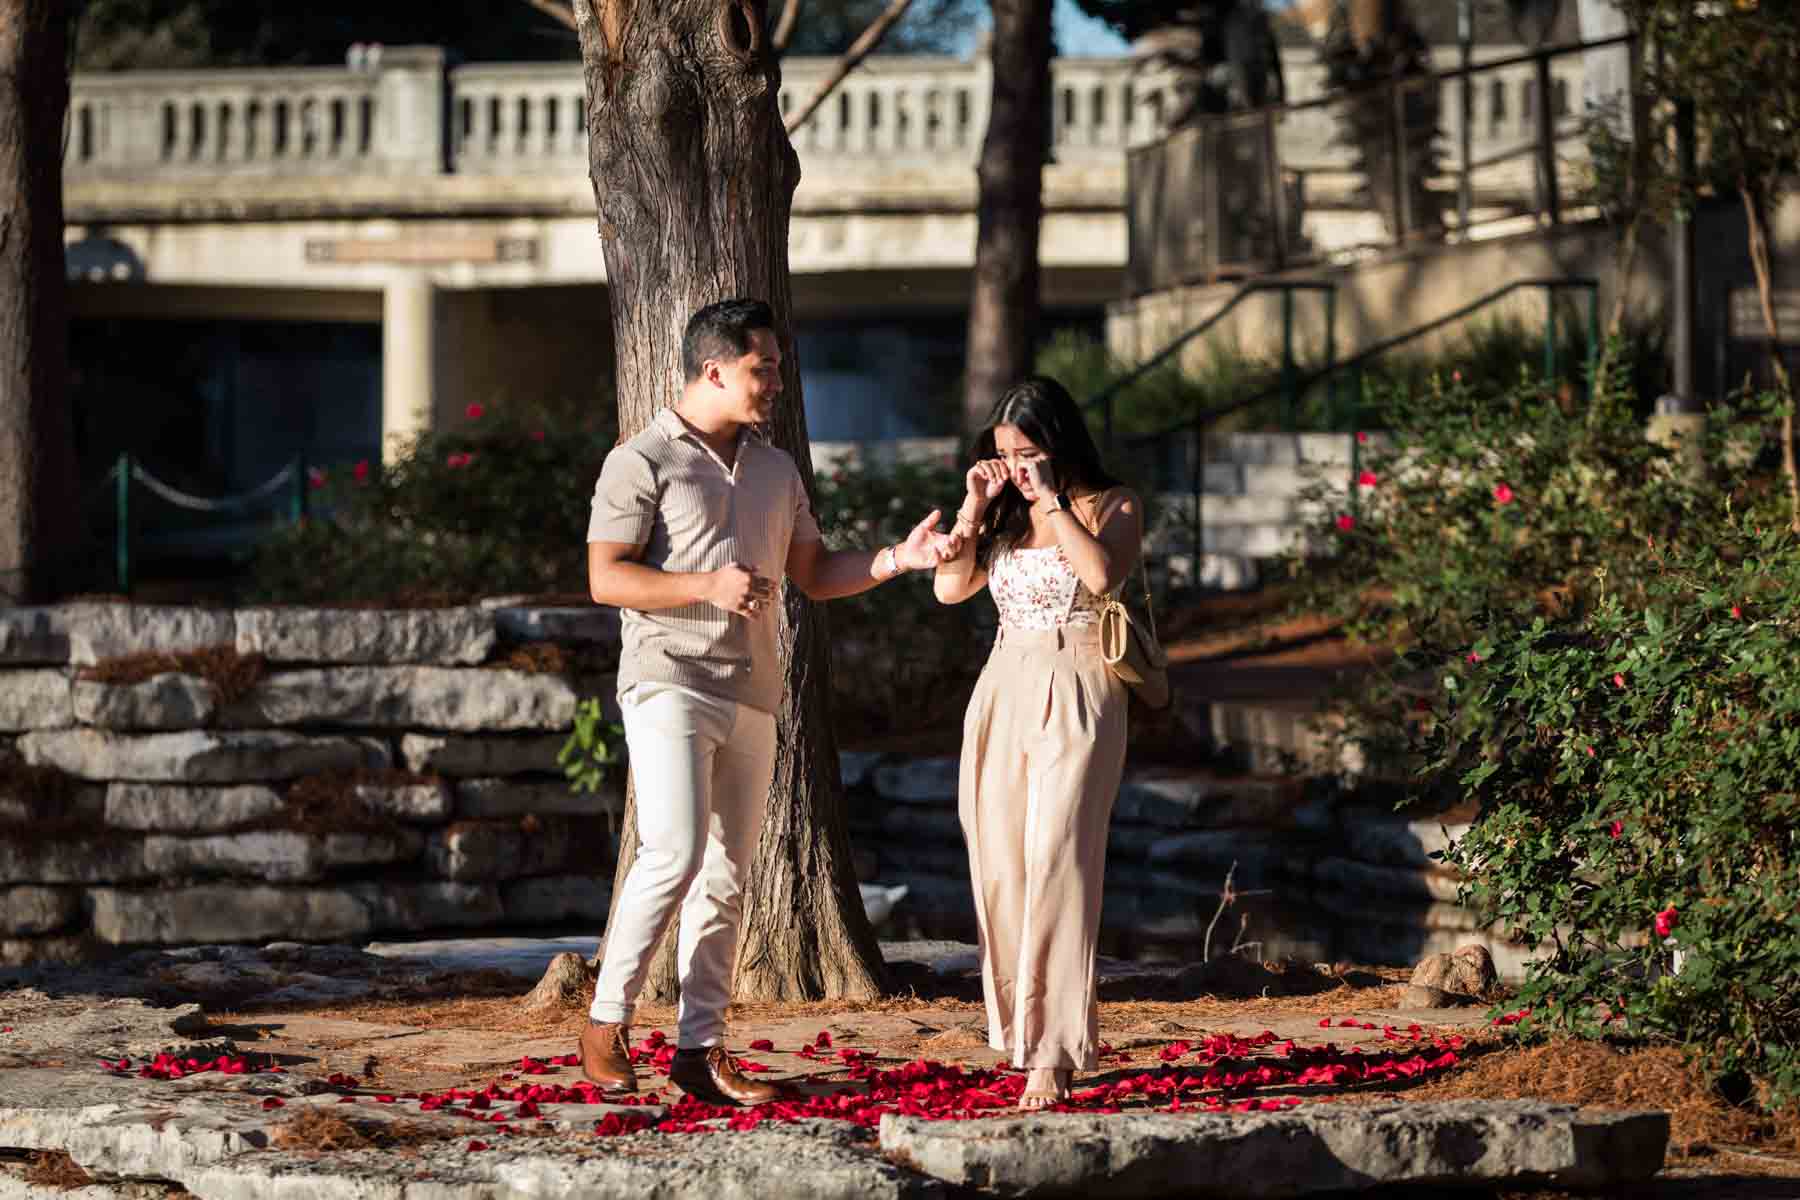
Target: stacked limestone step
{"type": "Point", "coordinates": [171, 811]}
{"type": "Point", "coordinates": [1254, 505]}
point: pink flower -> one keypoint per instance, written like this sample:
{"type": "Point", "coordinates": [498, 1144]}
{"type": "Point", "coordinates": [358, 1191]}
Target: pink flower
{"type": "Point", "coordinates": [315, 476]}
{"type": "Point", "coordinates": [1456, 376]}
{"type": "Point", "coordinates": [1590, 752]}
{"type": "Point", "coordinates": [1474, 657]}
{"type": "Point", "coordinates": [537, 435]}
{"type": "Point", "coordinates": [458, 460]}
{"type": "Point", "coordinates": [1502, 494]}
{"type": "Point", "coordinates": [1618, 681]}
{"type": "Point", "coordinates": [361, 471]}
{"type": "Point", "coordinates": [1666, 920]}
{"type": "Point", "coordinates": [1345, 522]}
{"type": "Point", "coordinates": [1362, 439]}
{"type": "Point", "coordinates": [475, 412]}
{"type": "Point", "coordinates": [1617, 830]}
{"type": "Point", "coordinates": [1367, 479]}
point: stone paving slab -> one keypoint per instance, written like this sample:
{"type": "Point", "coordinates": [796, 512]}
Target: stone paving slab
{"type": "Point", "coordinates": [1302, 1152]}
{"type": "Point", "coordinates": [815, 1161]}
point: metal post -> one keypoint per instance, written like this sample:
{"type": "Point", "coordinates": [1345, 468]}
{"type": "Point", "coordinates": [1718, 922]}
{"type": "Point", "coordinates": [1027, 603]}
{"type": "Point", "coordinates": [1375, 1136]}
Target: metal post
{"type": "Point", "coordinates": [1277, 193]}
{"type": "Point", "coordinates": [1549, 333]}
{"type": "Point", "coordinates": [122, 509]}
{"type": "Point", "coordinates": [1465, 39]}
{"type": "Point", "coordinates": [297, 502]}
{"type": "Point", "coordinates": [1331, 386]}
{"type": "Point", "coordinates": [1397, 142]}
{"type": "Point", "coordinates": [1684, 276]}
{"type": "Point", "coordinates": [1546, 139]}
{"type": "Point", "coordinates": [1289, 401]}
{"type": "Point", "coordinates": [1593, 337]}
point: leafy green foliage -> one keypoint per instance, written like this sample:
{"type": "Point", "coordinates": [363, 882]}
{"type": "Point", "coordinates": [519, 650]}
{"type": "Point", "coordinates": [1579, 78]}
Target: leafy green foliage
{"type": "Point", "coordinates": [901, 663]}
{"type": "Point", "coordinates": [1636, 773]}
{"type": "Point", "coordinates": [595, 749]}
{"type": "Point", "coordinates": [496, 504]}
{"type": "Point", "coordinates": [1597, 654]}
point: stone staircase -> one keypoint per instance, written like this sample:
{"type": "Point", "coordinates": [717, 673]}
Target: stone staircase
{"type": "Point", "coordinates": [1252, 507]}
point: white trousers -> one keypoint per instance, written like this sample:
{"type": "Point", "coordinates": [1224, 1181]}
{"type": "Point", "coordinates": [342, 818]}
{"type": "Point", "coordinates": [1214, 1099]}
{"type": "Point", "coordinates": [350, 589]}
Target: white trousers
{"type": "Point", "coordinates": [702, 767]}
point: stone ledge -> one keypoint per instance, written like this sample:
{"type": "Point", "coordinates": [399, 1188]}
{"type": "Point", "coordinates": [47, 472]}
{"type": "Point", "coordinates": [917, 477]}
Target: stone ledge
{"type": "Point", "coordinates": [276, 856]}
{"type": "Point", "coordinates": [174, 808]}
{"type": "Point", "coordinates": [438, 637]}
{"type": "Point", "coordinates": [35, 700]}
{"type": "Point", "coordinates": [98, 632]}
{"type": "Point", "coordinates": [198, 757]}
{"type": "Point", "coordinates": [459, 756]}
{"type": "Point", "coordinates": [167, 701]}
{"type": "Point", "coordinates": [34, 637]}
{"type": "Point", "coordinates": [1301, 1152]}
{"type": "Point", "coordinates": [477, 798]}
{"type": "Point", "coordinates": [461, 699]}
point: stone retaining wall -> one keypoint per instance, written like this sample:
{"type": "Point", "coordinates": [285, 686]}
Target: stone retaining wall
{"type": "Point", "coordinates": [319, 775]}
{"type": "Point", "coordinates": [293, 774]}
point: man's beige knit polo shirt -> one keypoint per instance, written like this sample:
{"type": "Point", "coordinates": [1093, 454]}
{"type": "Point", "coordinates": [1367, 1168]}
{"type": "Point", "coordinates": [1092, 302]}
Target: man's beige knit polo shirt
{"type": "Point", "coordinates": [666, 490]}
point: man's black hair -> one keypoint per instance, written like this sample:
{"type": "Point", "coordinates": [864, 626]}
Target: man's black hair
{"type": "Point", "coordinates": [722, 330]}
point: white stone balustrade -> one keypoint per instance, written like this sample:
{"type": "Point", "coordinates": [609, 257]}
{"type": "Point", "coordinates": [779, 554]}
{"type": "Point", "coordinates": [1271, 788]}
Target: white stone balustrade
{"type": "Point", "coordinates": [411, 114]}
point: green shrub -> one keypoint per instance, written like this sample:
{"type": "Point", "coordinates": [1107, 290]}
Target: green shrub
{"type": "Point", "coordinates": [901, 662]}
{"type": "Point", "coordinates": [1636, 772]}
{"type": "Point", "coordinates": [497, 504]}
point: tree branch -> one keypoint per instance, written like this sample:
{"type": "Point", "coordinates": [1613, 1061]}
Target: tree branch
{"type": "Point", "coordinates": [784, 28]}
{"type": "Point", "coordinates": [555, 10]}
{"type": "Point", "coordinates": [859, 50]}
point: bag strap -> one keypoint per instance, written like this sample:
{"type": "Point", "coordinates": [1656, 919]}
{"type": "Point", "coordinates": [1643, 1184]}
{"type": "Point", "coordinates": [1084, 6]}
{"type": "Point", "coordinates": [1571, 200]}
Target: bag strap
{"type": "Point", "coordinates": [1142, 571]}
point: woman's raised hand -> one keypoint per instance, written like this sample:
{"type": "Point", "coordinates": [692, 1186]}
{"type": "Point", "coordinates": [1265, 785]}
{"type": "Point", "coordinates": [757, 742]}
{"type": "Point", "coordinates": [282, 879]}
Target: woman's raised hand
{"type": "Point", "coordinates": [984, 481]}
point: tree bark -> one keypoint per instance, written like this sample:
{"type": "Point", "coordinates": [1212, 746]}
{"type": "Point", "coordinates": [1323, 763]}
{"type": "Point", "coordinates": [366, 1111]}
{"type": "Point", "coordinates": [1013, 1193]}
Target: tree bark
{"type": "Point", "coordinates": [1003, 308]}
{"type": "Point", "coordinates": [1756, 214]}
{"type": "Point", "coordinates": [694, 177]}
{"type": "Point", "coordinates": [37, 469]}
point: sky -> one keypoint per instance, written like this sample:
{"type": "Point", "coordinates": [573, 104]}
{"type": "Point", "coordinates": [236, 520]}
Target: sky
{"type": "Point", "coordinates": [1079, 35]}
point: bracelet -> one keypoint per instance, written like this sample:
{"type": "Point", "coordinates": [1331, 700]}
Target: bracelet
{"type": "Point", "coordinates": [964, 527]}
{"type": "Point", "coordinates": [893, 562]}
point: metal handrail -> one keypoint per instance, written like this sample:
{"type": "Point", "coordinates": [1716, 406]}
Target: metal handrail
{"type": "Point", "coordinates": [1205, 418]}
{"type": "Point", "coordinates": [1287, 288]}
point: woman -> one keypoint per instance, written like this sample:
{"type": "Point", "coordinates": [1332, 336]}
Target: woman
{"type": "Point", "coordinates": [1046, 530]}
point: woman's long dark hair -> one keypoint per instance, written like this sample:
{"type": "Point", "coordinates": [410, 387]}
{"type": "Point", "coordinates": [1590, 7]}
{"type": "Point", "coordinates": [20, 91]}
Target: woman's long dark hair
{"type": "Point", "coordinates": [1042, 410]}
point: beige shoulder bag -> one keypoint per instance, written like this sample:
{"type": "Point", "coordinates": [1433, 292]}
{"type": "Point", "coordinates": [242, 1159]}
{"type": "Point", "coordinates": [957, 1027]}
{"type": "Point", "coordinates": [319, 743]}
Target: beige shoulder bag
{"type": "Point", "coordinates": [1130, 647]}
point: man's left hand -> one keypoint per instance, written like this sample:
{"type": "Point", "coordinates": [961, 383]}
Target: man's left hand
{"type": "Point", "coordinates": [924, 548]}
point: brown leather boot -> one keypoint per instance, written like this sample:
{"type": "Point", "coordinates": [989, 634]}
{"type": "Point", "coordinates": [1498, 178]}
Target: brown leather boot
{"type": "Point", "coordinates": [707, 1074]}
{"type": "Point", "coordinates": [606, 1057]}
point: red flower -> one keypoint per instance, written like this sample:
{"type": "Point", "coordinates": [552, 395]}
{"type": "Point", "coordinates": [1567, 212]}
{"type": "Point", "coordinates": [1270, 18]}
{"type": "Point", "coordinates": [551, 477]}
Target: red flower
{"type": "Point", "coordinates": [1618, 681]}
{"type": "Point", "coordinates": [1590, 752]}
{"type": "Point", "coordinates": [1367, 479]}
{"type": "Point", "coordinates": [1617, 830]}
{"type": "Point", "coordinates": [477, 1146]}
{"type": "Point", "coordinates": [459, 460]}
{"type": "Point", "coordinates": [316, 476]}
{"type": "Point", "coordinates": [474, 412]}
{"type": "Point", "coordinates": [1474, 657]}
{"type": "Point", "coordinates": [273, 1102]}
{"type": "Point", "coordinates": [1362, 439]}
{"type": "Point", "coordinates": [762, 1044]}
{"type": "Point", "coordinates": [1502, 494]}
{"type": "Point", "coordinates": [1456, 376]}
{"type": "Point", "coordinates": [361, 471]}
{"type": "Point", "coordinates": [537, 435]}
{"type": "Point", "coordinates": [1345, 522]}
{"type": "Point", "coordinates": [1737, 614]}
{"type": "Point", "coordinates": [1666, 920]}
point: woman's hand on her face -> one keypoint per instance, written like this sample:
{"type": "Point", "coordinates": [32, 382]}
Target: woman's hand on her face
{"type": "Point", "coordinates": [1039, 475]}
{"type": "Point", "coordinates": [985, 481]}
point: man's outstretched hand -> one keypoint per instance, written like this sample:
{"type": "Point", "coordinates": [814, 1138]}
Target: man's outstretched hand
{"type": "Point", "coordinates": [925, 547]}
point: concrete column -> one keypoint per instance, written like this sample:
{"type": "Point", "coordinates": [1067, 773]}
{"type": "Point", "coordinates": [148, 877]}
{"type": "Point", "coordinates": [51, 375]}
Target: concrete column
{"type": "Point", "coordinates": [408, 360]}
{"type": "Point", "coordinates": [411, 105]}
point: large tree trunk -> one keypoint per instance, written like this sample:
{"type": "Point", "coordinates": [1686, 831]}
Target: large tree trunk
{"type": "Point", "coordinates": [37, 470]}
{"type": "Point", "coordinates": [1756, 215]}
{"type": "Point", "coordinates": [1003, 309]}
{"type": "Point", "coordinates": [694, 178]}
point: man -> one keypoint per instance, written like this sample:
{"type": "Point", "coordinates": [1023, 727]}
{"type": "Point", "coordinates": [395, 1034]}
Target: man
{"type": "Point", "coordinates": [694, 520]}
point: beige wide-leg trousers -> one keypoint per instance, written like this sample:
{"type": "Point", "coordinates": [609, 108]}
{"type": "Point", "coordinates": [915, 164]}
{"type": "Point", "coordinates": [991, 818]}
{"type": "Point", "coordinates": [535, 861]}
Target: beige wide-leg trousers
{"type": "Point", "coordinates": [1043, 749]}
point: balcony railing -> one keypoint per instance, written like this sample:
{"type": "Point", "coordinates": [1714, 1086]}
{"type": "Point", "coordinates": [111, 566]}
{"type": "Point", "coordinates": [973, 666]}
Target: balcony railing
{"type": "Point", "coordinates": [410, 113]}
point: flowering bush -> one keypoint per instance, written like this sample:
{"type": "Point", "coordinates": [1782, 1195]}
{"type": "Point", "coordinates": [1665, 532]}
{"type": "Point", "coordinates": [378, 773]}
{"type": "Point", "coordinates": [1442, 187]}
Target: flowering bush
{"type": "Point", "coordinates": [497, 504]}
{"type": "Point", "coordinates": [1637, 772]}
{"type": "Point", "coordinates": [1596, 654]}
